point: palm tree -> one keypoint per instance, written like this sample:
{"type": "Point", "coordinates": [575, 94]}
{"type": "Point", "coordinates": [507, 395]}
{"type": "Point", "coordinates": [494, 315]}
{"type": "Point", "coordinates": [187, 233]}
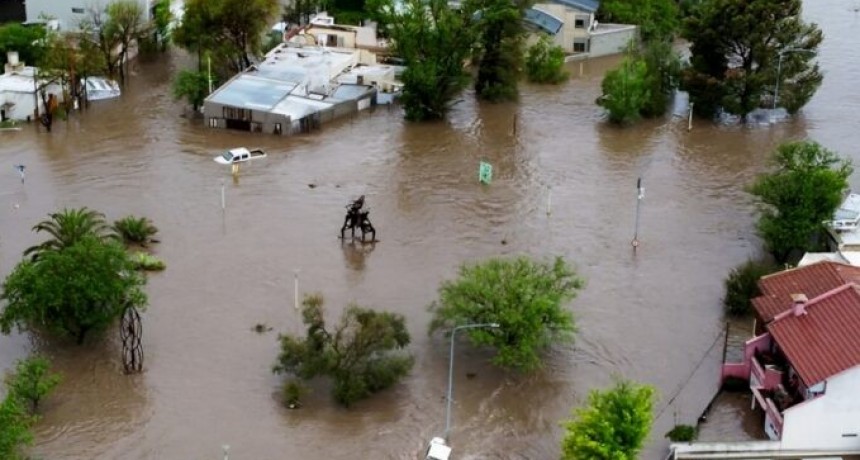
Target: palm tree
{"type": "Point", "coordinates": [67, 227]}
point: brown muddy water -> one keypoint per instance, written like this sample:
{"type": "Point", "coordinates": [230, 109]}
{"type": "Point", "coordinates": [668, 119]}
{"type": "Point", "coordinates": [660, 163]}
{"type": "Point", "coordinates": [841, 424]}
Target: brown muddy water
{"type": "Point", "coordinates": [655, 317]}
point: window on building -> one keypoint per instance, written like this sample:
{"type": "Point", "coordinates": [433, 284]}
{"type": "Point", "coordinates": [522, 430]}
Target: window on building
{"type": "Point", "coordinates": [277, 128]}
{"type": "Point", "coordinates": [579, 47]}
{"type": "Point", "coordinates": [231, 113]}
{"type": "Point", "coordinates": [213, 122]}
{"type": "Point", "coordinates": [78, 10]}
{"type": "Point", "coordinates": [579, 24]}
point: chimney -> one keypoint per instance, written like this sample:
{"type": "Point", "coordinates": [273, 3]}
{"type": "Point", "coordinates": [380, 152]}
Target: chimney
{"type": "Point", "coordinates": [799, 301]}
{"type": "Point", "coordinates": [12, 63]}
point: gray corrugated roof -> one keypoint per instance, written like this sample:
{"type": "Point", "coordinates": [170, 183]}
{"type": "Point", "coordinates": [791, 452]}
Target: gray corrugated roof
{"type": "Point", "coordinates": [585, 5]}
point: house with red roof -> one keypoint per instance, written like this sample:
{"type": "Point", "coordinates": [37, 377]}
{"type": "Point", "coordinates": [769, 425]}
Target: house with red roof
{"type": "Point", "coordinates": [804, 367]}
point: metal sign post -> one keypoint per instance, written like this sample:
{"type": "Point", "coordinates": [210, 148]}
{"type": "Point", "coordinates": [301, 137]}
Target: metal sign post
{"type": "Point", "coordinates": [640, 193]}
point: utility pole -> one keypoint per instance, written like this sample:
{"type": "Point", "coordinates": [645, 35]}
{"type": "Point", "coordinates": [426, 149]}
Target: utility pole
{"type": "Point", "coordinates": [640, 193]}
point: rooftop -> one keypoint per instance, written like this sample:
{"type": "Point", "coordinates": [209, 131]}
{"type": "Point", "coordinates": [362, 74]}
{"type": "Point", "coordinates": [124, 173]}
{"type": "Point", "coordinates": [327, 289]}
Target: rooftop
{"type": "Point", "coordinates": [812, 280]}
{"type": "Point", "coordinates": [822, 340]}
{"type": "Point", "coordinates": [20, 81]}
{"type": "Point", "coordinates": [589, 6]}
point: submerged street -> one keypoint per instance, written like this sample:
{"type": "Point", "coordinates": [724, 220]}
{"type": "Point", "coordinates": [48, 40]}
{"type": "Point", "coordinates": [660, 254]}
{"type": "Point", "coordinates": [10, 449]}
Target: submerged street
{"type": "Point", "coordinates": [655, 317]}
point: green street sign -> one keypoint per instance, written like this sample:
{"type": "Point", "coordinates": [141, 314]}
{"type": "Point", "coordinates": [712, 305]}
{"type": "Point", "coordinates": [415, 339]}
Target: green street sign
{"type": "Point", "coordinates": [485, 173]}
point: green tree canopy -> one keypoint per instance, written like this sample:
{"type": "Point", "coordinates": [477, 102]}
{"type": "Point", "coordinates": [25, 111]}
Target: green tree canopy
{"type": "Point", "coordinates": [67, 227]}
{"type": "Point", "coordinates": [612, 426]}
{"type": "Point", "coordinates": [191, 86]}
{"type": "Point", "coordinates": [162, 19]}
{"type": "Point", "coordinates": [525, 297]}
{"type": "Point", "coordinates": [28, 41]}
{"type": "Point", "coordinates": [32, 380]}
{"type": "Point", "coordinates": [361, 354]}
{"type": "Point", "coordinates": [545, 62]}
{"type": "Point", "coordinates": [626, 91]}
{"type": "Point", "coordinates": [735, 56]}
{"type": "Point", "coordinates": [15, 424]}
{"type": "Point", "coordinates": [435, 41]}
{"type": "Point", "coordinates": [658, 20]}
{"type": "Point", "coordinates": [80, 289]}
{"type": "Point", "coordinates": [231, 31]}
{"type": "Point", "coordinates": [799, 196]}
{"type": "Point", "coordinates": [499, 54]}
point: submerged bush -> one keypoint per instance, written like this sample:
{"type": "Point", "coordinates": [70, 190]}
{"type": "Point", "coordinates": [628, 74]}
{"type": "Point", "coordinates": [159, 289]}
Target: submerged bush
{"type": "Point", "coordinates": [146, 262]}
{"type": "Point", "coordinates": [545, 62]}
{"type": "Point", "coordinates": [742, 286]}
{"type": "Point", "coordinates": [682, 433]}
{"type": "Point", "coordinates": [138, 230]}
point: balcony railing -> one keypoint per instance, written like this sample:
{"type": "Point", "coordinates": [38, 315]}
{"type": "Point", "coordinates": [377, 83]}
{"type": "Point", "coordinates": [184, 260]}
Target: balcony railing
{"type": "Point", "coordinates": [764, 377]}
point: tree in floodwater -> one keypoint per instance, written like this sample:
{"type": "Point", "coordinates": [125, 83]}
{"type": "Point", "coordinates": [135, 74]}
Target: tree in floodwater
{"type": "Point", "coordinates": [77, 290]}
{"type": "Point", "coordinates": [626, 91]}
{"type": "Point", "coordinates": [545, 62]}
{"type": "Point", "coordinates": [231, 31]}
{"type": "Point", "coordinates": [435, 41]}
{"type": "Point", "coordinates": [799, 197]}
{"type": "Point", "coordinates": [524, 297]}
{"type": "Point", "coordinates": [15, 425]}
{"type": "Point", "coordinates": [362, 354]}
{"type": "Point", "coordinates": [191, 86]}
{"type": "Point", "coordinates": [742, 51]}
{"type": "Point", "coordinates": [32, 380]}
{"type": "Point", "coordinates": [612, 426]}
{"type": "Point", "coordinates": [499, 54]}
{"type": "Point", "coordinates": [66, 228]}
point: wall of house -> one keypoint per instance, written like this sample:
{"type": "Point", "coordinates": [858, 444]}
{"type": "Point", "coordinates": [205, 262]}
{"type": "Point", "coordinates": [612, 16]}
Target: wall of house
{"type": "Point", "coordinates": [569, 33]}
{"type": "Point", "coordinates": [70, 12]}
{"type": "Point", "coordinates": [830, 421]}
{"type": "Point", "coordinates": [612, 41]}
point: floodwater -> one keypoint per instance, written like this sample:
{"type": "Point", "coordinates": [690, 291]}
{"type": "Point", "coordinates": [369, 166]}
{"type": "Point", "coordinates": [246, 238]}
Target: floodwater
{"type": "Point", "coordinates": [655, 317]}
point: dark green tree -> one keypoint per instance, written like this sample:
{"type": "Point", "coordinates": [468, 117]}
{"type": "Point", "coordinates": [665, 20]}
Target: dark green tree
{"type": "Point", "coordinates": [499, 54]}
{"type": "Point", "coordinates": [658, 20]}
{"type": "Point", "coordinates": [299, 12]}
{"type": "Point", "coordinates": [742, 286]}
{"type": "Point", "coordinates": [231, 31]}
{"type": "Point", "coordinates": [162, 18]}
{"type": "Point", "coordinates": [626, 91]}
{"type": "Point", "coordinates": [663, 67]}
{"type": "Point", "coordinates": [80, 289]}
{"type": "Point", "coordinates": [67, 227]}
{"type": "Point", "coordinates": [735, 56]}
{"type": "Point", "coordinates": [361, 354]}
{"type": "Point", "coordinates": [799, 196]}
{"type": "Point", "coordinates": [435, 41]}
{"type": "Point", "coordinates": [525, 297]}
{"type": "Point", "coordinates": [15, 424]}
{"type": "Point", "coordinates": [32, 380]}
{"type": "Point", "coordinates": [191, 86]}
{"type": "Point", "coordinates": [28, 41]}
{"type": "Point", "coordinates": [612, 426]}
{"type": "Point", "coordinates": [545, 62]}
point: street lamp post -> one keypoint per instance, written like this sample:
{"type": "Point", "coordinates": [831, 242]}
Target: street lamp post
{"type": "Point", "coordinates": [779, 69]}
{"type": "Point", "coordinates": [451, 368]}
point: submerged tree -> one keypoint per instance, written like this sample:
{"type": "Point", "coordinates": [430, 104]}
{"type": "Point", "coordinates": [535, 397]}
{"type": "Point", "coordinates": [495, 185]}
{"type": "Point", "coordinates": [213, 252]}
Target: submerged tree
{"type": "Point", "coordinates": [32, 380]}
{"type": "Point", "coordinates": [191, 86]}
{"type": "Point", "coordinates": [231, 31]}
{"type": "Point", "coordinates": [613, 426]}
{"type": "Point", "coordinates": [361, 354]}
{"type": "Point", "coordinates": [525, 297]}
{"type": "Point", "coordinates": [15, 425]}
{"type": "Point", "coordinates": [499, 54]}
{"type": "Point", "coordinates": [435, 41]}
{"type": "Point", "coordinates": [742, 51]}
{"type": "Point", "coordinates": [82, 288]}
{"type": "Point", "coordinates": [800, 196]}
{"type": "Point", "coordinates": [545, 62]}
{"type": "Point", "coordinates": [626, 91]}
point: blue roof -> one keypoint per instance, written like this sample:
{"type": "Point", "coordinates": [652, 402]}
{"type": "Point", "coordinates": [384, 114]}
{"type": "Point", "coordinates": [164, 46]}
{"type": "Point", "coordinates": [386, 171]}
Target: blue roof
{"type": "Point", "coordinates": [544, 20]}
{"type": "Point", "coordinates": [584, 5]}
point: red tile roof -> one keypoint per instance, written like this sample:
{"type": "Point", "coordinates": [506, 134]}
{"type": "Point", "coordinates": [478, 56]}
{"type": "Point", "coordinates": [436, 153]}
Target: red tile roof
{"type": "Point", "coordinates": [812, 280]}
{"type": "Point", "coordinates": [825, 340]}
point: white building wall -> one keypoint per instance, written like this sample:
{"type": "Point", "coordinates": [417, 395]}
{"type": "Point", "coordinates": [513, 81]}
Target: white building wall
{"type": "Point", "coordinates": [69, 13]}
{"type": "Point", "coordinates": [831, 421]}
